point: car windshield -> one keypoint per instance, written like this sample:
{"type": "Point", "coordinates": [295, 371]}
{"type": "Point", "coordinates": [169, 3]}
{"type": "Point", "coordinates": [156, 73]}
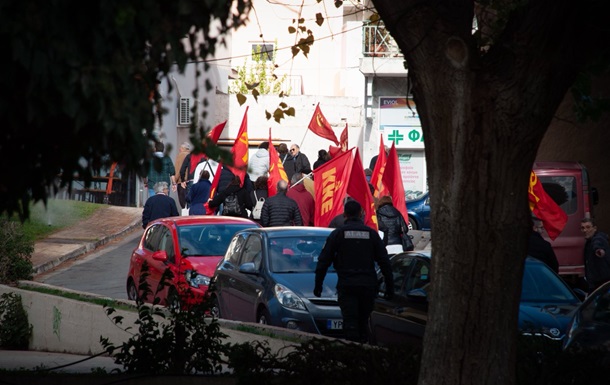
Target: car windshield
{"type": "Point", "coordinates": [207, 240]}
{"type": "Point", "coordinates": [411, 195]}
{"type": "Point", "coordinates": [540, 284]}
{"type": "Point", "coordinates": [295, 254]}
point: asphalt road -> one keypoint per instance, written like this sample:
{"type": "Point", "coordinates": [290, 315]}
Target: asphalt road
{"type": "Point", "coordinates": [102, 272]}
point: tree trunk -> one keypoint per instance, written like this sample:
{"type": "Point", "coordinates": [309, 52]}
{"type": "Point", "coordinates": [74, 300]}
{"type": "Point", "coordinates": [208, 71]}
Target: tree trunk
{"type": "Point", "coordinates": [483, 114]}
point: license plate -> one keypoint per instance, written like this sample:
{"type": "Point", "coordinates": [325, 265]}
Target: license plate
{"type": "Point", "coordinates": [334, 324]}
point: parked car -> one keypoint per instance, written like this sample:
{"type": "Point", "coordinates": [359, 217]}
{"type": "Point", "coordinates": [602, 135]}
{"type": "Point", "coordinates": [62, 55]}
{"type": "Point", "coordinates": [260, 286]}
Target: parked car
{"type": "Point", "coordinates": [547, 302]}
{"type": "Point", "coordinates": [267, 276]}
{"type": "Point", "coordinates": [418, 208]}
{"type": "Point", "coordinates": [190, 247]}
{"type": "Point", "coordinates": [589, 329]}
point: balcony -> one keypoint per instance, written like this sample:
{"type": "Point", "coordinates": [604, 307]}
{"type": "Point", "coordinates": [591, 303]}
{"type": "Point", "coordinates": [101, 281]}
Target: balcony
{"type": "Point", "coordinates": [380, 53]}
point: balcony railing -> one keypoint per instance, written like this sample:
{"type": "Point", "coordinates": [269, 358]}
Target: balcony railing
{"type": "Point", "coordinates": [377, 42]}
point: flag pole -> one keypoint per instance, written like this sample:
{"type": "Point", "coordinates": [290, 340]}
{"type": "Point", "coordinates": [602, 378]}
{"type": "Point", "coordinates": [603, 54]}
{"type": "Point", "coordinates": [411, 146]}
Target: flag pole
{"type": "Point", "coordinates": [303, 140]}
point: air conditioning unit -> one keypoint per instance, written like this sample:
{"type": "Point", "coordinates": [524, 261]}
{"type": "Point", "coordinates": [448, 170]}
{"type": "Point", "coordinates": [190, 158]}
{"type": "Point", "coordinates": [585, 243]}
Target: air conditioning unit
{"type": "Point", "coordinates": [184, 112]}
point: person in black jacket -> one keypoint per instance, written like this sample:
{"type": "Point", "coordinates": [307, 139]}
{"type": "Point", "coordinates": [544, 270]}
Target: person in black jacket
{"type": "Point", "coordinates": [596, 253]}
{"type": "Point", "coordinates": [353, 249]}
{"type": "Point", "coordinates": [242, 194]}
{"type": "Point", "coordinates": [540, 248]}
{"type": "Point", "coordinates": [391, 222]}
{"type": "Point", "coordinates": [159, 205]}
{"type": "Point", "coordinates": [279, 210]}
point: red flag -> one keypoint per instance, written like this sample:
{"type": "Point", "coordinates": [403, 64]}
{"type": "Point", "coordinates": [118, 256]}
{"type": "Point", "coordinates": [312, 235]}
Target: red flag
{"type": "Point", "coordinates": [240, 150]}
{"type": "Point", "coordinates": [213, 188]}
{"type": "Point", "coordinates": [544, 207]}
{"type": "Point", "coordinates": [358, 188]}
{"type": "Point", "coordinates": [330, 185]}
{"type": "Point", "coordinates": [377, 175]}
{"type": "Point", "coordinates": [215, 132]}
{"type": "Point", "coordinates": [276, 169]}
{"type": "Point", "coordinates": [392, 180]}
{"type": "Point", "coordinates": [333, 150]}
{"type": "Point", "coordinates": [320, 126]}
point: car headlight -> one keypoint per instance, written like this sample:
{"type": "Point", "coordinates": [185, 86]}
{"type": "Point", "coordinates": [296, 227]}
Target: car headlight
{"type": "Point", "coordinates": [195, 279]}
{"type": "Point", "coordinates": [287, 298]}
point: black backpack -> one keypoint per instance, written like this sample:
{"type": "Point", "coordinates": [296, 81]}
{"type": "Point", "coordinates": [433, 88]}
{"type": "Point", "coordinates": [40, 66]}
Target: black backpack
{"type": "Point", "coordinates": [231, 206]}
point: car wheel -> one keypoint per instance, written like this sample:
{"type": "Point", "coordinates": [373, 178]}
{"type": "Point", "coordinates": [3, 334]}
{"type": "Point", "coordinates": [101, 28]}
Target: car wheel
{"type": "Point", "coordinates": [412, 224]}
{"type": "Point", "coordinates": [173, 300]}
{"type": "Point", "coordinates": [263, 317]}
{"type": "Point", "coordinates": [215, 310]}
{"type": "Point", "coordinates": [132, 290]}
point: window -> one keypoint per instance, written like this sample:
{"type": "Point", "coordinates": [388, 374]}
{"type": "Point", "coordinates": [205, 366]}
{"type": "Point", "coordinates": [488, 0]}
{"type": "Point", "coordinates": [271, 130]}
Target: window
{"type": "Point", "coordinates": [166, 243]}
{"type": "Point", "coordinates": [265, 50]}
{"type": "Point", "coordinates": [563, 191]}
{"type": "Point", "coordinates": [252, 251]}
{"type": "Point", "coordinates": [400, 270]}
{"type": "Point", "coordinates": [151, 240]}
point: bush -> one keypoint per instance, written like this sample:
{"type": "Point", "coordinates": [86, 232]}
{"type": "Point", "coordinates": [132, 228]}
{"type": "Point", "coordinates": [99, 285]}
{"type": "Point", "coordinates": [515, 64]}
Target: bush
{"type": "Point", "coordinates": [15, 252]}
{"type": "Point", "coordinates": [15, 331]}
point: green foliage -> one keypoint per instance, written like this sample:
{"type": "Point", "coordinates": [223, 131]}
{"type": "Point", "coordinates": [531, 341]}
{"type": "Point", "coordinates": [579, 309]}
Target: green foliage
{"type": "Point", "coordinates": [15, 331]}
{"type": "Point", "coordinates": [321, 361]}
{"type": "Point", "coordinates": [173, 340]}
{"type": "Point", "coordinates": [257, 75]}
{"type": "Point", "coordinates": [15, 252]}
{"type": "Point", "coordinates": [80, 82]}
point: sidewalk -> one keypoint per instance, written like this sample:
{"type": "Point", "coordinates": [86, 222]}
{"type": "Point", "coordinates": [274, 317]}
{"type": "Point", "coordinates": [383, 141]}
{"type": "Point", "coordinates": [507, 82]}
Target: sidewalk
{"type": "Point", "coordinates": [105, 225]}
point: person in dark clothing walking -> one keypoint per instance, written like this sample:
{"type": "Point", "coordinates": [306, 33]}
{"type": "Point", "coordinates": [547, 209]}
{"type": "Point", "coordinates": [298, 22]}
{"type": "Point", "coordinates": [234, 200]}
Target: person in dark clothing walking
{"type": "Point", "coordinates": [540, 248]}
{"type": "Point", "coordinates": [279, 210]}
{"type": "Point", "coordinates": [199, 194]}
{"type": "Point", "coordinates": [391, 222]}
{"type": "Point", "coordinates": [596, 253]}
{"type": "Point", "coordinates": [353, 249]}
{"type": "Point", "coordinates": [242, 194]}
{"type": "Point", "coordinates": [159, 205]}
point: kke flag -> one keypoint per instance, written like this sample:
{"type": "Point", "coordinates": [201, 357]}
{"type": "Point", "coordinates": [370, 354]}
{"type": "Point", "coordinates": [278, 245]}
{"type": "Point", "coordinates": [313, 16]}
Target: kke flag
{"type": "Point", "coordinates": [377, 175]}
{"type": "Point", "coordinates": [333, 150]}
{"type": "Point", "coordinates": [320, 126]}
{"type": "Point", "coordinates": [330, 184]}
{"type": "Point", "coordinates": [240, 150]}
{"type": "Point", "coordinates": [392, 180]}
{"type": "Point", "coordinates": [544, 207]}
{"type": "Point", "coordinates": [215, 132]}
{"type": "Point", "coordinates": [276, 169]}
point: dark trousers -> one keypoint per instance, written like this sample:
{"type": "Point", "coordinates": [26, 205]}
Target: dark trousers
{"type": "Point", "coordinates": [181, 195]}
{"type": "Point", "coordinates": [356, 303]}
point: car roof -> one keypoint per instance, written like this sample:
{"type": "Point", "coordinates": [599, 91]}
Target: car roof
{"type": "Point", "coordinates": [427, 254]}
{"type": "Point", "coordinates": [286, 231]}
{"type": "Point", "coordinates": [204, 220]}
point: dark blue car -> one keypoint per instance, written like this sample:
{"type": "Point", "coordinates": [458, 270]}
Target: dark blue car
{"type": "Point", "coordinates": [546, 307]}
{"type": "Point", "coordinates": [418, 207]}
{"type": "Point", "coordinates": [267, 276]}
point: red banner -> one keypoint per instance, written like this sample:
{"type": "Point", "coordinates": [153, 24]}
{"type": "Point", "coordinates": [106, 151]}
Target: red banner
{"type": "Point", "coordinates": [215, 132]}
{"type": "Point", "coordinates": [240, 150]}
{"type": "Point", "coordinates": [377, 175]}
{"type": "Point", "coordinates": [330, 183]}
{"type": "Point", "coordinates": [358, 189]}
{"type": "Point", "coordinates": [544, 207]}
{"type": "Point", "coordinates": [320, 126]}
{"type": "Point", "coordinates": [334, 150]}
{"type": "Point", "coordinates": [392, 180]}
{"type": "Point", "coordinates": [276, 169]}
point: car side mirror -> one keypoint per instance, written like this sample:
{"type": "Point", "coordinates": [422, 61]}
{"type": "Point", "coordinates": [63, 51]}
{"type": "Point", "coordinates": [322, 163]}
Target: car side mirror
{"type": "Point", "coordinates": [248, 268]}
{"type": "Point", "coordinates": [160, 255]}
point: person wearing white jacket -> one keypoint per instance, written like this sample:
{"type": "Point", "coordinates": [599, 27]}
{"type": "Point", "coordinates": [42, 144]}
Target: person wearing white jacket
{"type": "Point", "coordinates": [258, 165]}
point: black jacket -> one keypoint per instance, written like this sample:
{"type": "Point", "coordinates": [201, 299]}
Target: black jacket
{"type": "Point", "coordinates": [391, 222]}
{"type": "Point", "coordinates": [279, 210]}
{"type": "Point", "coordinates": [353, 249]}
{"type": "Point", "coordinates": [243, 198]}
{"type": "Point", "coordinates": [597, 270]}
{"type": "Point", "coordinates": [541, 249]}
{"type": "Point", "coordinates": [158, 206]}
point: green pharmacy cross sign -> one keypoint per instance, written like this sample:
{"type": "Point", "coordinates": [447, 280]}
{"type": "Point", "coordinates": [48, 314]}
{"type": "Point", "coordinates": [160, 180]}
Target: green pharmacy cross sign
{"type": "Point", "coordinates": [396, 137]}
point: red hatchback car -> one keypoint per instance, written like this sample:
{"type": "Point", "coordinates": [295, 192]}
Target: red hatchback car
{"type": "Point", "coordinates": [190, 247]}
